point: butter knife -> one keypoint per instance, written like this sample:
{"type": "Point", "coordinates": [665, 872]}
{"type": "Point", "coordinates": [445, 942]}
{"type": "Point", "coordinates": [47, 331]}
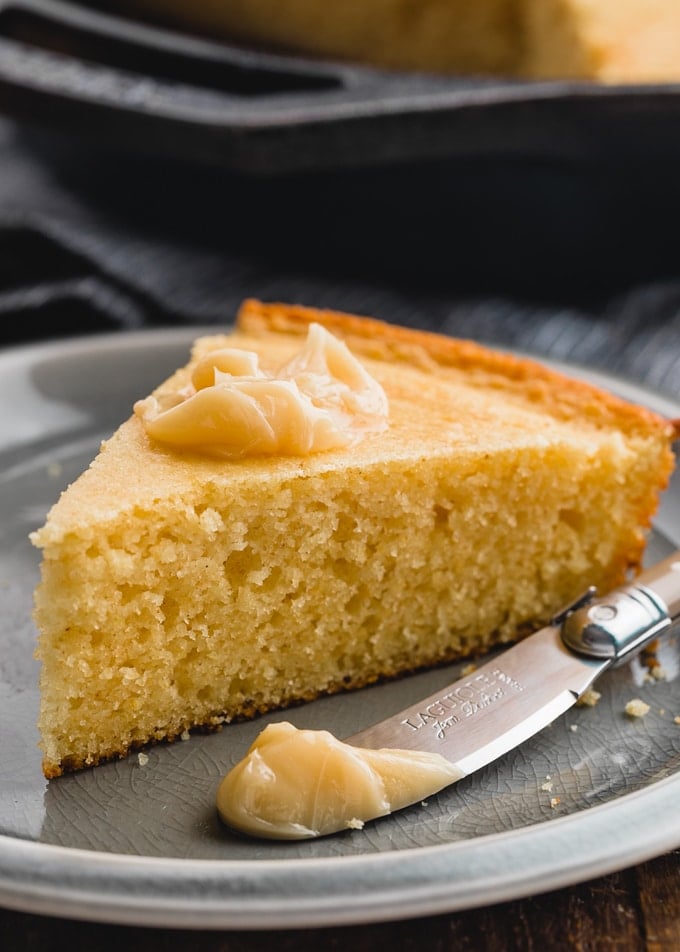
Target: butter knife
{"type": "Point", "coordinates": [300, 784]}
{"type": "Point", "coordinates": [480, 717]}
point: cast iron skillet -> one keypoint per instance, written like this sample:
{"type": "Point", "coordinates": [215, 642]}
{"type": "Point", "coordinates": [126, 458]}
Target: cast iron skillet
{"type": "Point", "coordinates": [146, 89]}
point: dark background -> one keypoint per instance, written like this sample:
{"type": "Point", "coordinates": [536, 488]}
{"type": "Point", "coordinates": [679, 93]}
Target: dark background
{"type": "Point", "coordinates": [577, 261]}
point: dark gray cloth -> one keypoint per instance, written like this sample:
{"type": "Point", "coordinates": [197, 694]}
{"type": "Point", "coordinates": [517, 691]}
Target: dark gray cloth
{"type": "Point", "coordinates": [578, 264]}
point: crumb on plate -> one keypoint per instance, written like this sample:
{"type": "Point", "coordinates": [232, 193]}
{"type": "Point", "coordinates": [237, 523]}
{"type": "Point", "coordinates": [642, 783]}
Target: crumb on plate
{"type": "Point", "coordinates": [589, 698]}
{"type": "Point", "coordinates": [636, 708]}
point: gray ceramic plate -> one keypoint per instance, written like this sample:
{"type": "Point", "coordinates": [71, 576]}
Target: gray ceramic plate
{"type": "Point", "coordinates": [141, 844]}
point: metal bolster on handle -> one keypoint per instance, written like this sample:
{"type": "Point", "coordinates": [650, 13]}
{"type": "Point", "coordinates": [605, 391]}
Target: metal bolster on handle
{"type": "Point", "coordinates": [616, 626]}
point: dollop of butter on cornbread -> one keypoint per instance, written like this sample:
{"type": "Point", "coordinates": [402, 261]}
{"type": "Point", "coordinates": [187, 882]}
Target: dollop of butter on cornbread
{"type": "Point", "coordinates": [299, 784]}
{"type": "Point", "coordinates": [320, 400]}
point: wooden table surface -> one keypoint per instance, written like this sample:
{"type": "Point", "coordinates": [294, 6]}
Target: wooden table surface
{"type": "Point", "coordinates": [638, 908]}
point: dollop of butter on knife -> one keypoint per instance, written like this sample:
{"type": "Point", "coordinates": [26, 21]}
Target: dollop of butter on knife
{"type": "Point", "coordinates": [299, 784]}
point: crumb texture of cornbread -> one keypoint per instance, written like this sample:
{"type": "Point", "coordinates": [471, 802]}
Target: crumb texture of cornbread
{"type": "Point", "coordinates": [180, 590]}
{"type": "Point", "coordinates": [608, 40]}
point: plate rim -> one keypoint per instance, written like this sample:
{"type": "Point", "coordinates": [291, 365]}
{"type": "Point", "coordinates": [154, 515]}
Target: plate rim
{"type": "Point", "coordinates": [128, 889]}
{"type": "Point", "coordinates": [227, 890]}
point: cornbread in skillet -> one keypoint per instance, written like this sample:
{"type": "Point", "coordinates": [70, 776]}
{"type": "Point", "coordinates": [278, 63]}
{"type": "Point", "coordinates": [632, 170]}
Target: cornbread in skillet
{"type": "Point", "coordinates": [607, 40]}
{"type": "Point", "coordinates": [428, 34]}
{"type": "Point", "coordinates": [615, 41]}
{"type": "Point", "coordinates": [182, 589]}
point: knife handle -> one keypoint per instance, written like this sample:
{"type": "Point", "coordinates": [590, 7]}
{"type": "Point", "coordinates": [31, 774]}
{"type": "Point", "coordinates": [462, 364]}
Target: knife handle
{"type": "Point", "coordinates": [664, 580]}
{"type": "Point", "coordinates": [618, 625]}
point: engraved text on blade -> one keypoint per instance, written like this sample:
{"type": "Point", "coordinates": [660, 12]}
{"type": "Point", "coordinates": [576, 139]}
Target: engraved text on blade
{"type": "Point", "coordinates": [462, 702]}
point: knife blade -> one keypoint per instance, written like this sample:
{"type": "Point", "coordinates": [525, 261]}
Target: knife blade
{"type": "Point", "coordinates": [482, 716]}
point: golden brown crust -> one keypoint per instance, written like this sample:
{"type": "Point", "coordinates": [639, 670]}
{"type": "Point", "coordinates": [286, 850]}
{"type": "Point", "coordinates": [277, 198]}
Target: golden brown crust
{"type": "Point", "coordinates": [561, 395]}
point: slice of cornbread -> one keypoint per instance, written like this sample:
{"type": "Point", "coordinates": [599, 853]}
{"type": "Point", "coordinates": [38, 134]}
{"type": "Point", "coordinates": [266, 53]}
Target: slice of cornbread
{"type": "Point", "coordinates": [180, 589]}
